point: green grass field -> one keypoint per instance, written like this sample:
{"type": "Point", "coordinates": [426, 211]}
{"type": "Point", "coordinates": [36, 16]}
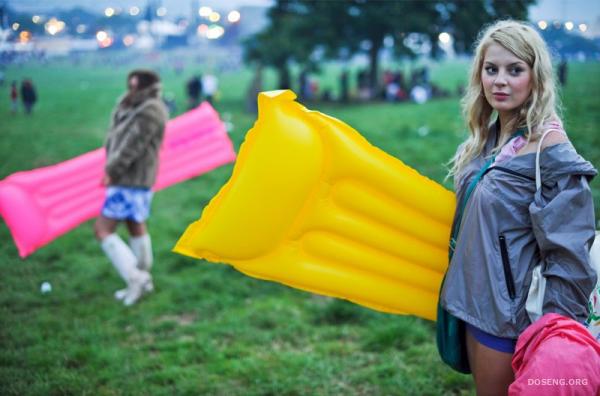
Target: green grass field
{"type": "Point", "coordinates": [209, 329]}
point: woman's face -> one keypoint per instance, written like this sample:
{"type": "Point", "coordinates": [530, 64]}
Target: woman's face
{"type": "Point", "coordinates": [133, 83]}
{"type": "Point", "coordinates": [506, 79]}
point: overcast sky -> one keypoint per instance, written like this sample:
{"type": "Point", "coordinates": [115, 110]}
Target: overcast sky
{"type": "Point", "coordinates": [578, 11]}
{"type": "Point", "coordinates": [175, 7]}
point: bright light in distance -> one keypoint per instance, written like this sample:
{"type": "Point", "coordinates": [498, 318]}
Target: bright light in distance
{"type": "Point", "coordinates": [128, 40]}
{"type": "Point", "coordinates": [388, 41]}
{"type": "Point", "coordinates": [569, 25]}
{"type": "Point", "coordinates": [107, 42]}
{"type": "Point", "coordinates": [24, 36]}
{"type": "Point", "coordinates": [109, 12]}
{"type": "Point", "coordinates": [214, 32]}
{"type": "Point", "coordinates": [54, 26]}
{"type": "Point", "coordinates": [202, 29]}
{"type": "Point", "coordinates": [101, 35]}
{"type": "Point", "coordinates": [81, 28]}
{"type": "Point", "coordinates": [15, 26]}
{"type": "Point", "coordinates": [234, 16]}
{"type": "Point", "coordinates": [133, 11]}
{"type": "Point", "coordinates": [543, 25]}
{"type": "Point", "coordinates": [582, 27]}
{"type": "Point", "coordinates": [104, 40]}
{"type": "Point", "coordinates": [161, 12]}
{"type": "Point", "coordinates": [36, 19]}
{"type": "Point", "coordinates": [204, 11]}
{"type": "Point", "coordinates": [444, 38]}
{"type": "Point", "coordinates": [214, 16]}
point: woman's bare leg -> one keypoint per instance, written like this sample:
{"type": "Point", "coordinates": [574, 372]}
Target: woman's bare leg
{"type": "Point", "coordinates": [492, 370]}
{"type": "Point", "coordinates": [136, 229]}
{"type": "Point", "coordinates": [104, 227]}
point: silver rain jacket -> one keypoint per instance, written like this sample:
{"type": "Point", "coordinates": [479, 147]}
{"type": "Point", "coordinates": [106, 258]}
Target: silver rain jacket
{"type": "Point", "coordinates": [508, 228]}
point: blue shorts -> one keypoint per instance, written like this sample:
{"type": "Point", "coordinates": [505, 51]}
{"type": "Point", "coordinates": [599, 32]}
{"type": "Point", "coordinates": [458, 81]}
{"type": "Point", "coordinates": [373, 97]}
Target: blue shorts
{"type": "Point", "coordinates": [499, 344]}
{"type": "Point", "coordinates": [127, 203]}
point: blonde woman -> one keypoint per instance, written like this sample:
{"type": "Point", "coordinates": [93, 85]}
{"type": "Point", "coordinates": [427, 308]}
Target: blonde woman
{"type": "Point", "coordinates": [504, 227]}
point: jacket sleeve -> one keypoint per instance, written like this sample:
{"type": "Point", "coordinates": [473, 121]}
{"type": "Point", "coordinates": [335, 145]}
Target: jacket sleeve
{"type": "Point", "coordinates": [563, 223]}
{"type": "Point", "coordinates": [144, 128]}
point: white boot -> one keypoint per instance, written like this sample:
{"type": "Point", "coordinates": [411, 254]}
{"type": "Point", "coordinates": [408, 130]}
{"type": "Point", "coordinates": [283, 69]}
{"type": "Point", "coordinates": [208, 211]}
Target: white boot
{"type": "Point", "coordinates": [148, 288]}
{"type": "Point", "coordinates": [125, 263]}
{"type": "Point", "coordinates": [141, 246]}
{"type": "Point", "coordinates": [137, 288]}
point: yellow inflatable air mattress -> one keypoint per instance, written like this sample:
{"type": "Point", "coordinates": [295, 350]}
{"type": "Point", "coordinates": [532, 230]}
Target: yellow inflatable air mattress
{"type": "Point", "coordinates": [313, 205]}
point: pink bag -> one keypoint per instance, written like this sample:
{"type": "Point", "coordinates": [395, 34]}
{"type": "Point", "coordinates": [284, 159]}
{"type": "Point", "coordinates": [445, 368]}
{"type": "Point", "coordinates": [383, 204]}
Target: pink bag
{"type": "Point", "coordinates": [556, 356]}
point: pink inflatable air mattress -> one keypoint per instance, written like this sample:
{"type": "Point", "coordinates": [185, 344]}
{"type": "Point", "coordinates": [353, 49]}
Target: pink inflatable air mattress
{"type": "Point", "coordinates": [41, 204]}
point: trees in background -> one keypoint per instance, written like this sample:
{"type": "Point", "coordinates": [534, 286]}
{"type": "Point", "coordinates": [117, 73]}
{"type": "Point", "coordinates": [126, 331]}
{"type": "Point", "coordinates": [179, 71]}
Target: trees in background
{"type": "Point", "coordinates": [299, 29]}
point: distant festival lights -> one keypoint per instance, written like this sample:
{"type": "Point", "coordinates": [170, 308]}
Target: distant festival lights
{"type": "Point", "coordinates": [24, 37]}
{"type": "Point", "coordinates": [205, 11]}
{"type": "Point", "coordinates": [104, 40]}
{"type": "Point", "coordinates": [161, 11]}
{"type": "Point", "coordinates": [234, 16]}
{"type": "Point", "coordinates": [202, 30]}
{"type": "Point", "coordinates": [128, 40]}
{"type": "Point", "coordinates": [214, 32]}
{"type": "Point", "coordinates": [101, 35]}
{"type": "Point", "coordinates": [214, 16]}
{"type": "Point", "coordinates": [568, 25]}
{"type": "Point", "coordinates": [444, 38]}
{"type": "Point", "coordinates": [54, 26]}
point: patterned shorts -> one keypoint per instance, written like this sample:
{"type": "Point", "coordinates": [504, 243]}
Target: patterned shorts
{"type": "Point", "coordinates": [127, 203]}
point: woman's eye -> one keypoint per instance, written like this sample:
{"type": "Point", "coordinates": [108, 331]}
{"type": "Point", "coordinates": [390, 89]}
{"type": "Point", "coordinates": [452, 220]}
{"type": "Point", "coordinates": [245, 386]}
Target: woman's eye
{"type": "Point", "coordinates": [490, 69]}
{"type": "Point", "coordinates": [516, 70]}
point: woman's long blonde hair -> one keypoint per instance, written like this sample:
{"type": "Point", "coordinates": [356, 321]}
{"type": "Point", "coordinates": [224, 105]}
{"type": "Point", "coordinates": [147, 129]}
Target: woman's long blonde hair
{"type": "Point", "coordinates": [540, 107]}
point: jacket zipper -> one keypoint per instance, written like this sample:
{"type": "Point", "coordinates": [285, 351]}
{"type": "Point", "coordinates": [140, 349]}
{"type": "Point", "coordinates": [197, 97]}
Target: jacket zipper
{"type": "Point", "coordinates": [512, 172]}
{"type": "Point", "coordinates": [510, 283]}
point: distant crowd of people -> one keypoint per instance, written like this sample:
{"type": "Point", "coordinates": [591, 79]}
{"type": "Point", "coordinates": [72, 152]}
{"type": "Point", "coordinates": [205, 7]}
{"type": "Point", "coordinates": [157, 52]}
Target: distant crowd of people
{"type": "Point", "coordinates": [200, 88]}
{"type": "Point", "coordinates": [393, 87]}
{"type": "Point", "coordinates": [27, 95]}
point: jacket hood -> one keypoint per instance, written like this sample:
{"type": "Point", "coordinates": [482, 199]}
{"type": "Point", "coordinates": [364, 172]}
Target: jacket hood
{"type": "Point", "coordinates": [562, 159]}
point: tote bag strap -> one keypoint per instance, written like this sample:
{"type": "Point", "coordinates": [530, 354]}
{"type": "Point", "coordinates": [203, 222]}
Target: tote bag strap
{"type": "Point", "coordinates": [538, 173]}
